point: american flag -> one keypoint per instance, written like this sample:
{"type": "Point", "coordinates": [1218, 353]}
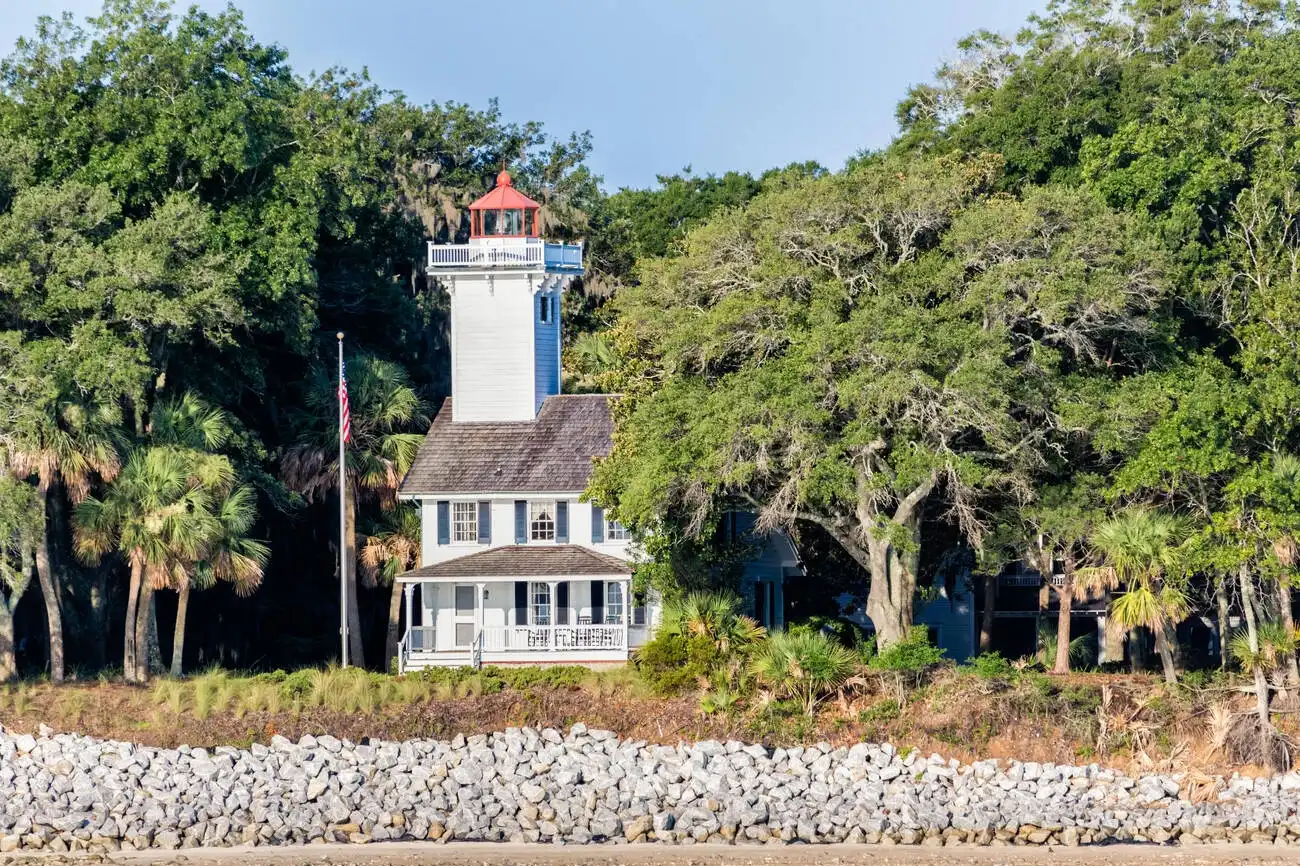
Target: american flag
{"type": "Point", "coordinates": [345, 415]}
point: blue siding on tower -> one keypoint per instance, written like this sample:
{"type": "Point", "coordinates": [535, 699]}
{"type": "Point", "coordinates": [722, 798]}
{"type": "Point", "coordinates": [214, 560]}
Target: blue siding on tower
{"type": "Point", "coordinates": [546, 349]}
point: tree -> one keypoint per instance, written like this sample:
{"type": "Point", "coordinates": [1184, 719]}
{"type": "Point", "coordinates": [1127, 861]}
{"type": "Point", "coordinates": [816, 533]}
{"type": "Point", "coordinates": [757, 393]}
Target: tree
{"type": "Point", "coordinates": [386, 554]}
{"type": "Point", "coordinates": [859, 350]}
{"type": "Point", "coordinates": [228, 554]}
{"type": "Point", "coordinates": [1143, 552]}
{"type": "Point", "coordinates": [154, 515]}
{"type": "Point", "coordinates": [19, 526]}
{"type": "Point", "coordinates": [62, 436]}
{"type": "Point", "coordinates": [1062, 518]}
{"type": "Point", "coordinates": [383, 409]}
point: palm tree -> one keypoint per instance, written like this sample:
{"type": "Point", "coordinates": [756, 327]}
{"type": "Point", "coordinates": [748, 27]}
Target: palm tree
{"type": "Point", "coordinates": [383, 408]}
{"type": "Point", "coordinates": [1261, 649]}
{"type": "Point", "coordinates": [153, 514]}
{"type": "Point", "coordinates": [1141, 550]}
{"type": "Point", "coordinates": [75, 443]}
{"type": "Point", "coordinates": [715, 615]}
{"type": "Point", "coordinates": [804, 665]}
{"type": "Point", "coordinates": [388, 553]}
{"type": "Point", "coordinates": [228, 555]}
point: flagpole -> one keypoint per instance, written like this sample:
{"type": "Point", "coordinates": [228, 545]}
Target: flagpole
{"type": "Point", "coordinates": [343, 519]}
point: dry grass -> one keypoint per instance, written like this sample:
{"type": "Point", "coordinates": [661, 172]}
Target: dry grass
{"type": "Point", "coordinates": [1128, 722]}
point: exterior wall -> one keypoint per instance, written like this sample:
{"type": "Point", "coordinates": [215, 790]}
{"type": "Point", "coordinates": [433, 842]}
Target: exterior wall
{"type": "Point", "coordinates": [762, 580]}
{"type": "Point", "coordinates": [546, 349]}
{"type": "Point", "coordinates": [503, 526]}
{"type": "Point", "coordinates": [492, 356]}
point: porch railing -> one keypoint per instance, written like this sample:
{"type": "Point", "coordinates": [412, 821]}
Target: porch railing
{"type": "Point", "coordinates": [546, 638]}
{"type": "Point", "coordinates": [508, 254]}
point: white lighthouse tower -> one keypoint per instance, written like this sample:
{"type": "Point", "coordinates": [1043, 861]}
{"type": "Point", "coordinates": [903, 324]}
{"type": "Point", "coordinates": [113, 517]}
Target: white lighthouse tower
{"type": "Point", "coordinates": [506, 287]}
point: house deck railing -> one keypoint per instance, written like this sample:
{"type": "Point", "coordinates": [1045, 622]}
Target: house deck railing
{"type": "Point", "coordinates": [523, 253]}
{"type": "Point", "coordinates": [547, 638]}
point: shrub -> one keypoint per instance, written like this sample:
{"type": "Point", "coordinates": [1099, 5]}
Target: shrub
{"type": "Point", "coordinates": [297, 685]}
{"type": "Point", "coordinates": [881, 712]}
{"type": "Point", "coordinates": [672, 663]}
{"type": "Point", "coordinates": [553, 677]}
{"type": "Point", "coordinates": [992, 666]}
{"type": "Point", "coordinates": [803, 665]}
{"type": "Point", "coordinates": [907, 660]}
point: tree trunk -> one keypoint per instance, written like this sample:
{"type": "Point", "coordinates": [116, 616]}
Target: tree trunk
{"type": "Point", "coordinates": [1221, 598]}
{"type": "Point", "coordinates": [355, 648]}
{"type": "Point", "coordinates": [394, 626]}
{"type": "Point", "coordinates": [890, 601]}
{"type": "Point", "coordinates": [1165, 649]}
{"type": "Point", "coordinates": [178, 633]}
{"type": "Point", "coordinates": [98, 602]}
{"type": "Point", "coordinates": [155, 645]}
{"type": "Point", "coordinates": [1288, 620]}
{"type": "Point", "coordinates": [1261, 679]}
{"type": "Point", "coordinates": [129, 651]}
{"type": "Point", "coordinates": [1066, 594]}
{"type": "Point", "coordinates": [144, 604]}
{"type": "Point", "coordinates": [8, 658]}
{"type": "Point", "coordinates": [990, 608]}
{"type": "Point", "coordinates": [50, 592]}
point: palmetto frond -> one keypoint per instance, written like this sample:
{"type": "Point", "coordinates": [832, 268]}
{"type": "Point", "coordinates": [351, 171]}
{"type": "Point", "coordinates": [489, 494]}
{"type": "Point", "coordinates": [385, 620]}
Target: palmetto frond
{"type": "Point", "coordinates": [188, 422]}
{"type": "Point", "coordinates": [394, 549]}
{"type": "Point", "coordinates": [383, 409]}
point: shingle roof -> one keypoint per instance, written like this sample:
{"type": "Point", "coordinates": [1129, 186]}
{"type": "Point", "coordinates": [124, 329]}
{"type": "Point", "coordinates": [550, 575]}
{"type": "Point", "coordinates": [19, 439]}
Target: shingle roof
{"type": "Point", "coordinates": [553, 452]}
{"type": "Point", "coordinates": [523, 560]}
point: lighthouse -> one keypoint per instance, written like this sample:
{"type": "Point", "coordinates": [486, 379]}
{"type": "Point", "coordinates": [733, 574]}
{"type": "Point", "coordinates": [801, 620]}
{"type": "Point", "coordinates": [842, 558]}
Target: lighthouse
{"type": "Point", "coordinates": [506, 286]}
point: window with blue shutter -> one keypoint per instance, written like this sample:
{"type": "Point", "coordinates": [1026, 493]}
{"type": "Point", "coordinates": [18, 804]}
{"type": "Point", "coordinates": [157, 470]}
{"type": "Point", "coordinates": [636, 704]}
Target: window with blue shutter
{"type": "Point", "coordinates": [597, 525]}
{"type": "Point", "coordinates": [444, 522]}
{"type": "Point", "coordinates": [597, 602]}
{"type": "Point", "coordinates": [561, 523]}
{"type": "Point", "coordinates": [485, 523]}
{"type": "Point", "coordinates": [521, 521]}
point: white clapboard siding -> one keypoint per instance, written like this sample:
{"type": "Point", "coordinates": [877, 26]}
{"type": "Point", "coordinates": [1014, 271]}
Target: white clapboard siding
{"type": "Point", "coordinates": [493, 377]}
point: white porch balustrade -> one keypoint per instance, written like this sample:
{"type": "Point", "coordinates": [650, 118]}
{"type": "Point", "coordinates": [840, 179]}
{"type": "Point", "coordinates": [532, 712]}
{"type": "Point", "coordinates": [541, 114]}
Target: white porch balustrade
{"type": "Point", "coordinates": [523, 253]}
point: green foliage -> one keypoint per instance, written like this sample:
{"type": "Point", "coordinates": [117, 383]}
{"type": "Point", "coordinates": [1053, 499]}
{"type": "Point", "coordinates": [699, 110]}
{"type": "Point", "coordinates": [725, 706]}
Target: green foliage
{"type": "Point", "coordinates": [802, 665]}
{"type": "Point", "coordinates": [671, 662]}
{"type": "Point", "coordinates": [881, 712]}
{"type": "Point", "coordinates": [992, 666]}
{"type": "Point", "coordinates": [913, 655]}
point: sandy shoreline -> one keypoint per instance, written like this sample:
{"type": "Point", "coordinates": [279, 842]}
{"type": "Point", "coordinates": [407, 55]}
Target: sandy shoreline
{"type": "Point", "coordinates": [492, 854]}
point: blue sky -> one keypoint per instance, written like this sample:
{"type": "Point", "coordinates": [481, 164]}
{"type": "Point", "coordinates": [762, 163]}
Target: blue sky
{"type": "Point", "coordinates": [716, 84]}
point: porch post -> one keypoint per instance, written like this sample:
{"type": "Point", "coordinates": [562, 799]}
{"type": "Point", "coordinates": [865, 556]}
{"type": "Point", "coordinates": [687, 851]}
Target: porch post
{"type": "Point", "coordinates": [627, 609]}
{"type": "Point", "coordinates": [408, 592]}
{"type": "Point", "coordinates": [478, 609]}
{"type": "Point", "coordinates": [555, 611]}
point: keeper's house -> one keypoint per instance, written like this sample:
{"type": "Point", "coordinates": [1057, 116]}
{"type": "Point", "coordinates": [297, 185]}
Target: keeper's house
{"type": "Point", "coordinates": [516, 569]}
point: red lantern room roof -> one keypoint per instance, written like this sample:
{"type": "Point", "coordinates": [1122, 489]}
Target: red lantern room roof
{"type": "Point", "coordinates": [504, 196]}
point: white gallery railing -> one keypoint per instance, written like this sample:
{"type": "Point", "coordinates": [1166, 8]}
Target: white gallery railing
{"type": "Point", "coordinates": [546, 638]}
{"type": "Point", "coordinates": [523, 253]}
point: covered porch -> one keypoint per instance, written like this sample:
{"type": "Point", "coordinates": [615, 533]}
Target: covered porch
{"type": "Point", "coordinates": [458, 617]}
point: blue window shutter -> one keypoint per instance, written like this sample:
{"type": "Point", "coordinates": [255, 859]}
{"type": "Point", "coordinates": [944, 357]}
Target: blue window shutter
{"type": "Point", "coordinates": [561, 523]}
{"type": "Point", "coordinates": [562, 603]}
{"type": "Point", "coordinates": [485, 523]}
{"type": "Point", "coordinates": [444, 522]}
{"type": "Point", "coordinates": [521, 521]}
{"type": "Point", "coordinates": [597, 524]}
{"type": "Point", "coordinates": [597, 602]}
{"type": "Point", "coordinates": [521, 602]}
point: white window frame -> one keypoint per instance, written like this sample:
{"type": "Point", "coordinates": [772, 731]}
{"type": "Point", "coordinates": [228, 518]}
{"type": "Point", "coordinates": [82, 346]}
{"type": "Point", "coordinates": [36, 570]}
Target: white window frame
{"type": "Point", "coordinates": [464, 530]}
{"type": "Point", "coordinates": [537, 530]}
{"type": "Point", "coordinates": [541, 609]}
{"type": "Point", "coordinates": [615, 531]}
{"type": "Point", "coordinates": [612, 588]}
